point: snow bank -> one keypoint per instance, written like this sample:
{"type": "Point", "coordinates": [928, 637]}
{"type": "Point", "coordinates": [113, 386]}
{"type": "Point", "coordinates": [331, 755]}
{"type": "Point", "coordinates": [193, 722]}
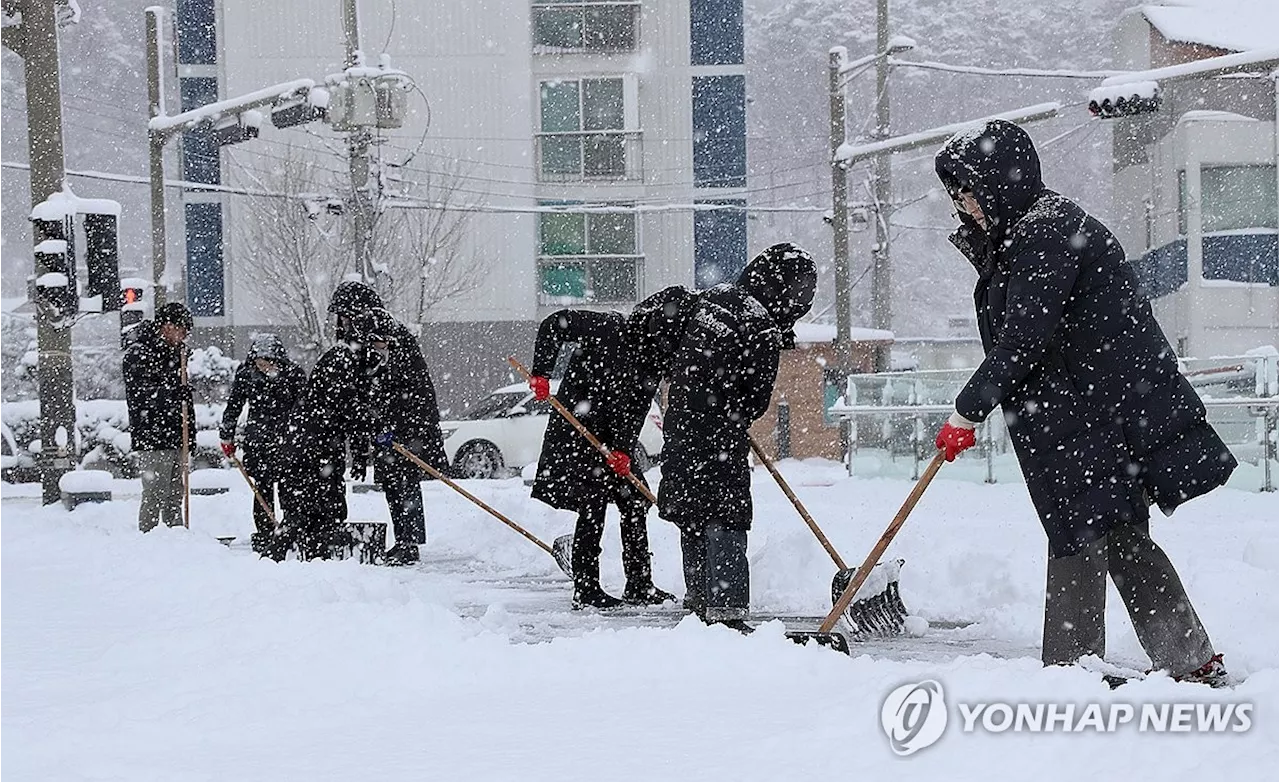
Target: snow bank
{"type": "Point", "coordinates": [169, 656]}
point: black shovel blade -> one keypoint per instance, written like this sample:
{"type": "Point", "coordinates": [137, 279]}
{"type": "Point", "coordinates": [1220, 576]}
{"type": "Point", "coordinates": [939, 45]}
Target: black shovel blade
{"type": "Point", "coordinates": [834, 641]}
{"type": "Point", "coordinates": [562, 551]}
{"type": "Point", "coordinates": [879, 614]}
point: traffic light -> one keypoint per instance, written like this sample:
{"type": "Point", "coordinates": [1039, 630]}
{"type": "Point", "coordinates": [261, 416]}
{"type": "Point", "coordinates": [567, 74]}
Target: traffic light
{"type": "Point", "coordinates": [55, 269]}
{"type": "Point", "coordinates": [102, 258]}
{"type": "Point", "coordinates": [132, 311]}
{"type": "Point", "coordinates": [1124, 100]}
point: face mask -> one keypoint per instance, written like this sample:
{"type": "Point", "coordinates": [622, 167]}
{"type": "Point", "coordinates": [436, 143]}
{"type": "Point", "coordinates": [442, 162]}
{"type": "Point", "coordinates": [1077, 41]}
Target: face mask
{"type": "Point", "coordinates": [271, 372]}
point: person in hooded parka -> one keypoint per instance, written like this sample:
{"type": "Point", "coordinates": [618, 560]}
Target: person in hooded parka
{"type": "Point", "coordinates": [329, 418]}
{"type": "Point", "coordinates": [1103, 423]}
{"type": "Point", "coordinates": [402, 404]}
{"type": "Point", "coordinates": [155, 396]}
{"type": "Point", "coordinates": [719, 351]}
{"type": "Point", "coordinates": [269, 383]}
{"type": "Point", "coordinates": [604, 391]}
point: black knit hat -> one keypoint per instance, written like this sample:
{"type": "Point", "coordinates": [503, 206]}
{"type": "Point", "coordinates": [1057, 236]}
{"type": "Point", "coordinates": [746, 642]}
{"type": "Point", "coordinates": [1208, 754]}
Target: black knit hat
{"type": "Point", "coordinates": [175, 313]}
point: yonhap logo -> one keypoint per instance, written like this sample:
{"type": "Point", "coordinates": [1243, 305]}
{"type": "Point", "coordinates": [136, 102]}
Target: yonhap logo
{"type": "Point", "coordinates": [914, 716]}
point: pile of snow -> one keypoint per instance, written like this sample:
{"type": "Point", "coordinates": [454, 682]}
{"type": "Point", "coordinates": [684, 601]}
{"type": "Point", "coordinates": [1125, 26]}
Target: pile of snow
{"type": "Point", "coordinates": [86, 482]}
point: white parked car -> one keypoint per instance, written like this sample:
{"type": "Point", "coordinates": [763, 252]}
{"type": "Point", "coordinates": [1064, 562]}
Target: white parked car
{"type": "Point", "coordinates": [503, 433]}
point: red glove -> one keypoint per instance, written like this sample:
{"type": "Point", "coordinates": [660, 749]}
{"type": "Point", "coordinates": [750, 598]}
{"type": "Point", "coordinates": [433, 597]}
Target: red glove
{"type": "Point", "coordinates": [955, 439]}
{"type": "Point", "coordinates": [620, 462]}
{"type": "Point", "coordinates": [229, 449]}
{"type": "Point", "coordinates": [541, 387]}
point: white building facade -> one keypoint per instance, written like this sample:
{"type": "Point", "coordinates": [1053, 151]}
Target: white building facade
{"type": "Point", "coordinates": [633, 111]}
{"type": "Point", "coordinates": [1195, 182]}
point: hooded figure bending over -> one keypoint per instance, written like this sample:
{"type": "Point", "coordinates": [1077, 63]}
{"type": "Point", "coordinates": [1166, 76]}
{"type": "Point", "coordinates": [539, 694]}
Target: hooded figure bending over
{"type": "Point", "coordinates": [1103, 423]}
{"type": "Point", "coordinates": [719, 351]}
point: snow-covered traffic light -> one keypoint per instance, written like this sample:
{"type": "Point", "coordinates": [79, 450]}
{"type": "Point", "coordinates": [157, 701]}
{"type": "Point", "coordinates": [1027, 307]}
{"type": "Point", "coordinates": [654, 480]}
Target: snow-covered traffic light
{"type": "Point", "coordinates": [1125, 99]}
{"type": "Point", "coordinates": [132, 309]}
{"type": "Point", "coordinates": [55, 269]}
{"type": "Point", "coordinates": [102, 259]}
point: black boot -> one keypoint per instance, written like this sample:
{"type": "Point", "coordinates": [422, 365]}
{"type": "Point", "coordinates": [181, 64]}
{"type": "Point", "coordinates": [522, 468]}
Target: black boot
{"type": "Point", "coordinates": [645, 595]}
{"type": "Point", "coordinates": [401, 554]}
{"type": "Point", "coordinates": [636, 558]}
{"type": "Point", "coordinates": [586, 571]}
{"type": "Point", "coordinates": [590, 595]}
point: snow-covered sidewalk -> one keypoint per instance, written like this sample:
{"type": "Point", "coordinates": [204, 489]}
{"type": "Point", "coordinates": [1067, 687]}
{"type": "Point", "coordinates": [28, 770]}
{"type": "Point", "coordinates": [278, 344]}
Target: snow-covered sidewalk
{"type": "Point", "coordinates": [170, 656]}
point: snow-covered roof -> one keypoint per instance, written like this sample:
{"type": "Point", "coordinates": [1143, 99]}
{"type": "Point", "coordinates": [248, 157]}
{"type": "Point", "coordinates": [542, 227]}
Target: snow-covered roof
{"type": "Point", "coordinates": [1200, 115]}
{"type": "Point", "coordinates": [1235, 25]}
{"type": "Point", "coordinates": [816, 333]}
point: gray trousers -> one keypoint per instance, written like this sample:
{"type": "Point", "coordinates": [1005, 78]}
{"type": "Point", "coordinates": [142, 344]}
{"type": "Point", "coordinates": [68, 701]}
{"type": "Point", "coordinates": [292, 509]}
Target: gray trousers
{"type": "Point", "coordinates": [1162, 615]}
{"type": "Point", "coordinates": [161, 489]}
{"type": "Point", "coordinates": [717, 573]}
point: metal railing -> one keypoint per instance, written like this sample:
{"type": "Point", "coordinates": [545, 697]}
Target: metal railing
{"type": "Point", "coordinates": [897, 414]}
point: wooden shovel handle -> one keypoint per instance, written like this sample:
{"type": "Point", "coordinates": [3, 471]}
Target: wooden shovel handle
{"type": "Point", "coordinates": [804, 514]}
{"type": "Point", "coordinates": [878, 550]}
{"type": "Point", "coordinates": [434, 473]}
{"type": "Point", "coordinates": [591, 438]}
{"type": "Point", "coordinates": [261, 501]}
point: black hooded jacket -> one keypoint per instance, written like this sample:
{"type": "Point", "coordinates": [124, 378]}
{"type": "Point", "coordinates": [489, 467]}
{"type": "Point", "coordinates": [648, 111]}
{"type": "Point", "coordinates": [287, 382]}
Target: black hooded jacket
{"type": "Point", "coordinates": [1097, 410]}
{"type": "Point", "coordinates": [152, 378]}
{"type": "Point", "coordinates": [402, 398]}
{"type": "Point", "coordinates": [724, 347]}
{"type": "Point", "coordinates": [605, 392]}
{"type": "Point", "coordinates": [270, 398]}
{"type": "Point", "coordinates": [329, 416]}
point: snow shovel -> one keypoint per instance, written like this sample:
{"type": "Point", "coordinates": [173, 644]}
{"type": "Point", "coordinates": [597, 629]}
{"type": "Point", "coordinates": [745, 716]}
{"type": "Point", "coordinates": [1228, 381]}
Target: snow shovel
{"type": "Point", "coordinates": [869, 563]}
{"type": "Point", "coordinates": [564, 544]}
{"type": "Point", "coordinates": [434, 473]}
{"type": "Point", "coordinates": [880, 611]}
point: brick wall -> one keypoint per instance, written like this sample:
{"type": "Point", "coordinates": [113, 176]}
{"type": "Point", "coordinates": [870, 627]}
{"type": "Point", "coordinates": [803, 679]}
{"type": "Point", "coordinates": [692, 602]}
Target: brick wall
{"type": "Point", "coordinates": [800, 382]}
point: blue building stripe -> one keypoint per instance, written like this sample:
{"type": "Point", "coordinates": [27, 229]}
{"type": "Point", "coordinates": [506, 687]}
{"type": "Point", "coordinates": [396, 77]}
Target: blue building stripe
{"type": "Point", "coordinates": [719, 243]}
{"type": "Point", "coordinates": [715, 32]}
{"type": "Point", "coordinates": [720, 131]}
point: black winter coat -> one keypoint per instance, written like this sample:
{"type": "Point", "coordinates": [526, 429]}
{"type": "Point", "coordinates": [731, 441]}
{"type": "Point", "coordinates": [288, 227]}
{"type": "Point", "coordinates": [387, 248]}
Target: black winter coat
{"type": "Point", "coordinates": [269, 399]}
{"type": "Point", "coordinates": [602, 389]}
{"type": "Point", "coordinates": [329, 415]}
{"type": "Point", "coordinates": [721, 378]}
{"type": "Point", "coordinates": [1097, 411]}
{"type": "Point", "coordinates": [152, 375]}
{"type": "Point", "coordinates": [403, 400]}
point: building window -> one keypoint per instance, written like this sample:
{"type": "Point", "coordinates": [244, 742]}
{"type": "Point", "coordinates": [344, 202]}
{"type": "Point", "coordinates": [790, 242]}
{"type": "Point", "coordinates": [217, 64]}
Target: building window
{"type": "Point", "coordinates": [204, 259]}
{"type": "Point", "coordinates": [1232, 198]}
{"type": "Point", "coordinates": [720, 131]}
{"type": "Point", "coordinates": [199, 151]}
{"type": "Point", "coordinates": [586, 25]}
{"type": "Point", "coordinates": [588, 258]}
{"type": "Point", "coordinates": [583, 130]}
{"type": "Point", "coordinates": [715, 32]}
{"type": "Point", "coordinates": [719, 243]}
{"type": "Point", "coordinates": [197, 32]}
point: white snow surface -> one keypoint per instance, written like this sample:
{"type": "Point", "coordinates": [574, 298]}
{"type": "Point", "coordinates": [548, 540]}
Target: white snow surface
{"type": "Point", "coordinates": [171, 656]}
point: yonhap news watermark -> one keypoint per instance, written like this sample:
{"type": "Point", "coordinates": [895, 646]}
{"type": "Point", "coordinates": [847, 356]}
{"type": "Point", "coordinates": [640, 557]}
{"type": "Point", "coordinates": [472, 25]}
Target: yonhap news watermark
{"type": "Point", "coordinates": [916, 715]}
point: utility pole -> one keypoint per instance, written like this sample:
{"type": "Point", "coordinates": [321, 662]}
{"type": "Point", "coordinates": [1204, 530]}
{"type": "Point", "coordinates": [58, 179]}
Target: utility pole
{"type": "Point", "coordinates": [35, 40]}
{"type": "Point", "coordinates": [839, 207]}
{"type": "Point", "coordinates": [358, 155]}
{"type": "Point", "coordinates": [881, 270]}
{"type": "Point", "coordinates": [156, 142]}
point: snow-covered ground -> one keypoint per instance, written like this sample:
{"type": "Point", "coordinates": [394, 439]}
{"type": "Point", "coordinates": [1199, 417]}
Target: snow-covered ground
{"type": "Point", "coordinates": [170, 656]}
